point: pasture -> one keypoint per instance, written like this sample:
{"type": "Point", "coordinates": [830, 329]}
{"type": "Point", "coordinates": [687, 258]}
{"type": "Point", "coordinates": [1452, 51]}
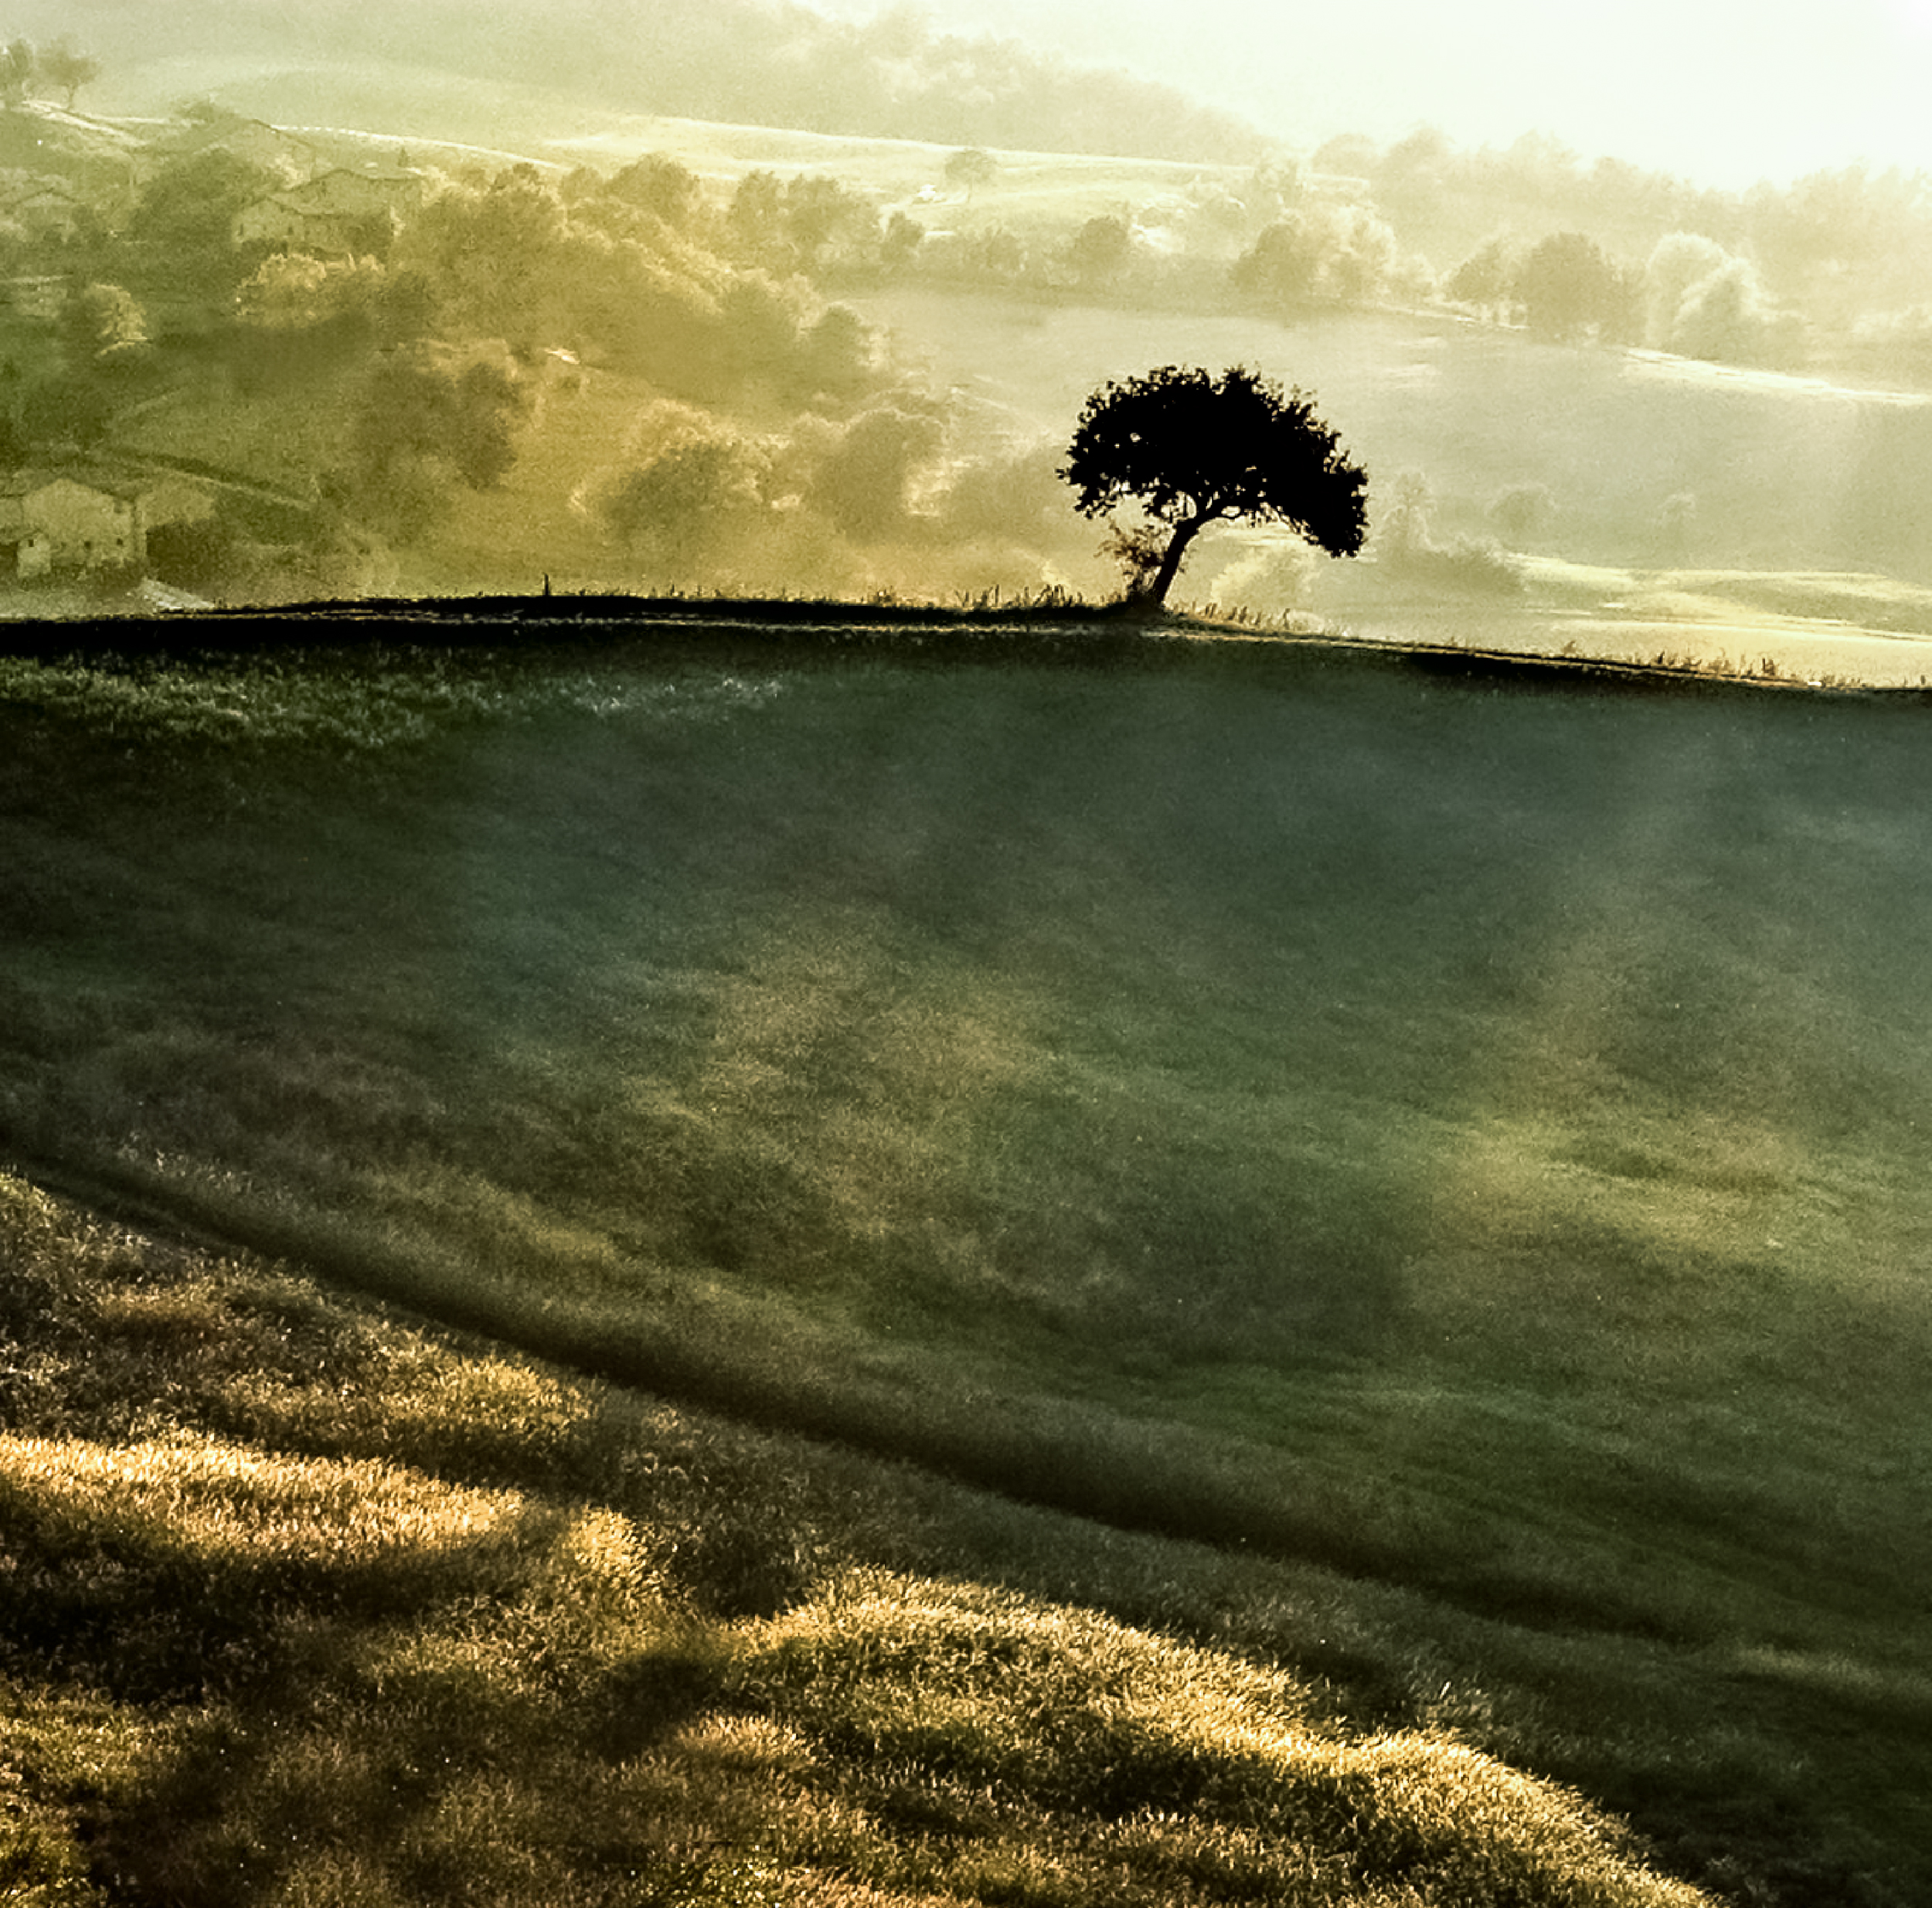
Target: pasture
{"type": "Point", "coordinates": [1451, 1151]}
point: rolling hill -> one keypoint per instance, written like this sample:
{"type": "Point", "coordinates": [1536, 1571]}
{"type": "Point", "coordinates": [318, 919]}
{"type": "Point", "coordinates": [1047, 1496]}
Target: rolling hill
{"type": "Point", "coordinates": [1451, 1150]}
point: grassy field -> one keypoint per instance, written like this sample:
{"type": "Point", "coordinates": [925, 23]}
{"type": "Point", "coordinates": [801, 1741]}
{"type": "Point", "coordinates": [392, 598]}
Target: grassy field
{"type": "Point", "coordinates": [1439, 1164]}
{"type": "Point", "coordinates": [302, 1603]}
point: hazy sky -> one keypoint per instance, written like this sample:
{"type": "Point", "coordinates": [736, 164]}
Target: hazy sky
{"type": "Point", "coordinates": [1724, 91]}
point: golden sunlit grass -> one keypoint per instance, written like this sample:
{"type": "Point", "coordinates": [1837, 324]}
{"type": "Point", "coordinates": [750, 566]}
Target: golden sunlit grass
{"type": "Point", "coordinates": [550, 1704]}
{"type": "Point", "coordinates": [217, 1505]}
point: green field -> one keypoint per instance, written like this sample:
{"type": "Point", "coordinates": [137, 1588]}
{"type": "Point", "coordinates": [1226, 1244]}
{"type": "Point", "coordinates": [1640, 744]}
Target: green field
{"type": "Point", "coordinates": [1434, 1167]}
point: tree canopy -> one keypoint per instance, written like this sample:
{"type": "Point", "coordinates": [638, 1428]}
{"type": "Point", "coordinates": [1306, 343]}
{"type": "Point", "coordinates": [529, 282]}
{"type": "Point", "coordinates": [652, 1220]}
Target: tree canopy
{"type": "Point", "coordinates": [67, 70]}
{"type": "Point", "coordinates": [1194, 449]}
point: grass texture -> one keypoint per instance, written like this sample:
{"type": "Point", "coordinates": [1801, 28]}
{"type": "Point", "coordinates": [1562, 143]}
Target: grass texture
{"type": "Point", "coordinates": [302, 1605]}
{"type": "Point", "coordinates": [1448, 1154]}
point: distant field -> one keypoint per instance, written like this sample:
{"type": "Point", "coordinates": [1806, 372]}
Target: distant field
{"type": "Point", "coordinates": [1695, 493]}
{"type": "Point", "coordinates": [1462, 1139]}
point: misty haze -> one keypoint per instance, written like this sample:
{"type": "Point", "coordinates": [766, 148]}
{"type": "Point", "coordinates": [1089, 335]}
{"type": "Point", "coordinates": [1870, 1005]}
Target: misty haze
{"type": "Point", "coordinates": [715, 300]}
{"type": "Point", "coordinates": [937, 977]}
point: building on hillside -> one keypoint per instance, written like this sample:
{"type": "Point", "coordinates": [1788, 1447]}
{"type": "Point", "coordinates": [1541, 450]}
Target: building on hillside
{"type": "Point", "coordinates": [362, 194]}
{"type": "Point", "coordinates": [88, 519]}
{"type": "Point", "coordinates": [332, 213]}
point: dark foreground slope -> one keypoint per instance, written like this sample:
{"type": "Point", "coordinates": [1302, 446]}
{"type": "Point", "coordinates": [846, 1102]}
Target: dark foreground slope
{"type": "Point", "coordinates": [1452, 1147]}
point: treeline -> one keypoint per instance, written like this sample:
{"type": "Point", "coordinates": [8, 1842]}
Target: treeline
{"type": "Point", "coordinates": [1832, 274]}
{"type": "Point", "coordinates": [755, 431]}
{"type": "Point", "coordinates": [752, 426]}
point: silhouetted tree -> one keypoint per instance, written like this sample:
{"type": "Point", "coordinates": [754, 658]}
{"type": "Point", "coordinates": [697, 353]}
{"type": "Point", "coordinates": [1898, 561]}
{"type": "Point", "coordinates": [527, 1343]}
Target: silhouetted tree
{"type": "Point", "coordinates": [1194, 449]}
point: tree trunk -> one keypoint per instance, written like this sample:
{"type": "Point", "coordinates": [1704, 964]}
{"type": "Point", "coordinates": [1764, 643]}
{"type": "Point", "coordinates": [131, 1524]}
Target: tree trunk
{"type": "Point", "coordinates": [1184, 534]}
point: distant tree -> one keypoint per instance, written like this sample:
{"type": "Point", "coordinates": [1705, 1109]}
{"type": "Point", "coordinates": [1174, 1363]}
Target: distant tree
{"type": "Point", "coordinates": [828, 223]}
{"type": "Point", "coordinates": [421, 422]}
{"type": "Point", "coordinates": [1333, 254]}
{"type": "Point", "coordinates": [903, 237]}
{"type": "Point", "coordinates": [1726, 317]}
{"type": "Point", "coordinates": [17, 65]}
{"type": "Point", "coordinates": [101, 321]}
{"type": "Point", "coordinates": [862, 484]}
{"type": "Point", "coordinates": [302, 321]}
{"type": "Point", "coordinates": [1677, 525]}
{"type": "Point", "coordinates": [182, 226]}
{"type": "Point", "coordinates": [497, 256]}
{"type": "Point", "coordinates": [971, 167]}
{"type": "Point", "coordinates": [1101, 249]}
{"type": "Point", "coordinates": [1678, 261]}
{"type": "Point", "coordinates": [1568, 285]}
{"type": "Point", "coordinates": [1403, 529]}
{"type": "Point", "coordinates": [688, 503]}
{"type": "Point", "coordinates": [1284, 265]}
{"type": "Point", "coordinates": [1272, 186]}
{"type": "Point", "coordinates": [658, 184]}
{"type": "Point", "coordinates": [1415, 167]}
{"type": "Point", "coordinates": [1361, 256]}
{"type": "Point", "coordinates": [1347, 155]}
{"type": "Point", "coordinates": [67, 70]}
{"type": "Point", "coordinates": [1485, 278]}
{"type": "Point", "coordinates": [1194, 449]}
{"type": "Point", "coordinates": [836, 353]}
{"type": "Point", "coordinates": [1523, 511]}
{"type": "Point", "coordinates": [1702, 301]}
{"type": "Point", "coordinates": [755, 220]}
{"type": "Point", "coordinates": [1406, 544]}
{"type": "Point", "coordinates": [291, 291]}
{"type": "Point", "coordinates": [996, 254]}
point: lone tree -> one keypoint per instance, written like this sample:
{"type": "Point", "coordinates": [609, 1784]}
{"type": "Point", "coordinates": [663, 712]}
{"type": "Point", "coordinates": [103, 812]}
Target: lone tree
{"type": "Point", "coordinates": [971, 167]}
{"type": "Point", "coordinates": [67, 70]}
{"type": "Point", "coordinates": [1193, 449]}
